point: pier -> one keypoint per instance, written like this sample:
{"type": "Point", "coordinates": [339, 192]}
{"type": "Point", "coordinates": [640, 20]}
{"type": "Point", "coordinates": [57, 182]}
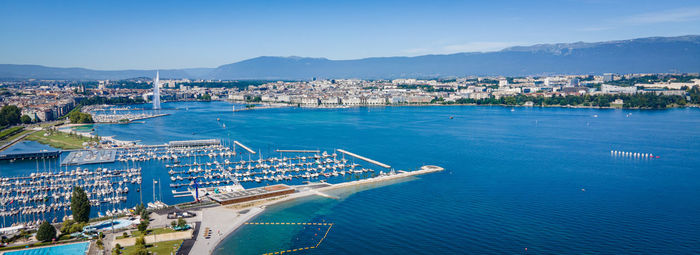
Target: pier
{"type": "Point", "coordinates": [30, 155]}
{"type": "Point", "coordinates": [386, 177]}
{"type": "Point", "coordinates": [365, 159]}
{"type": "Point", "coordinates": [244, 147]}
{"type": "Point", "coordinates": [300, 151]}
{"type": "Point", "coordinates": [89, 157]}
{"type": "Point", "coordinates": [194, 143]}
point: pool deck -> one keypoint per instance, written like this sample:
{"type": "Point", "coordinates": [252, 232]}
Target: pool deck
{"type": "Point", "coordinates": [223, 220]}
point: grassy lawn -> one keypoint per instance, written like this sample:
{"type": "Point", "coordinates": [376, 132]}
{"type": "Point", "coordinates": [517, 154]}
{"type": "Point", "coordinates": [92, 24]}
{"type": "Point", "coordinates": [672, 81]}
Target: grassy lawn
{"type": "Point", "coordinates": [12, 137]}
{"type": "Point", "coordinates": [9, 131]}
{"type": "Point", "coordinates": [160, 248]}
{"type": "Point", "coordinates": [155, 231]}
{"type": "Point", "coordinates": [59, 140]}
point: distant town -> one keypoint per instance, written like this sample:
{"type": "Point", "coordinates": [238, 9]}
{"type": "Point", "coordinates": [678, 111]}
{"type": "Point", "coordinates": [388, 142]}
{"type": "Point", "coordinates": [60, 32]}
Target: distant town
{"type": "Point", "coordinates": [47, 100]}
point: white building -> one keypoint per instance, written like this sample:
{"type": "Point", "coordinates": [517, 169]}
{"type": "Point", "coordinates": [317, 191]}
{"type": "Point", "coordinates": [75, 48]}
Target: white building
{"type": "Point", "coordinates": [611, 89]}
{"type": "Point", "coordinates": [352, 101]}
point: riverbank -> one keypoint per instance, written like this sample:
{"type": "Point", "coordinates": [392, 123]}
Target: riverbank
{"type": "Point", "coordinates": [11, 140]}
{"type": "Point", "coordinates": [237, 215]}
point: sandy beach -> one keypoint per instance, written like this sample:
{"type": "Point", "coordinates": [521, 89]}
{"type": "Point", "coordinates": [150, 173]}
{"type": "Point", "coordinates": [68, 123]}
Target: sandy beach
{"type": "Point", "coordinates": [223, 220]}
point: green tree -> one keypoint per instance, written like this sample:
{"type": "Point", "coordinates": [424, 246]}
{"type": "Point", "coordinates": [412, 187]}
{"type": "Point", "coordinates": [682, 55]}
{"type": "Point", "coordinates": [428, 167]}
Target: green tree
{"type": "Point", "coordinates": [139, 208]}
{"type": "Point", "coordinates": [205, 97]}
{"type": "Point", "coordinates": [75, 116]}
{"type": "Point", "coordinates": [77, 227]}
{"type": "Point", "coordinates": [140, 242]}
{"type": "Point", "coordinates": [25, 119]}
{"type": "Point", "coordinates": [80, 205]}
{"type": "Point", "coordinates": [10, 115]}
{"type": "Point", "coordinates": [46, 232]}
{"type": "Point", "coordinates": [117, 249]}
{"type": "Point", "coordinates": [144, 215]}
{"type": "Point", "coordinates": [181, 222]}
{"type": "Point", "coordinates": [510, 101]}
{"type": "Point", "coordinates": [140, 246]}
{"type": "Point", "coordinates": [140, 251]}
{"type": "Point", "coordinates": [143, 226]}
{"type": "Point", "coordinates": [66, 226]}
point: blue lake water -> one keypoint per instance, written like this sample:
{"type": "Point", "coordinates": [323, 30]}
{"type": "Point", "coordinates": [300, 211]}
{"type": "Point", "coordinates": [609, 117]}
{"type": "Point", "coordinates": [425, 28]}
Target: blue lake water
{"type": "Point", "coordinates": [535, 178]}
{"type": "Point", "coordinates": [27, 146]}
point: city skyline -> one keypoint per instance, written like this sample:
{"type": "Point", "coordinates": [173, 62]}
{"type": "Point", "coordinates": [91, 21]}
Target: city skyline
{"type": "Point", "coordinates": [110, 37]}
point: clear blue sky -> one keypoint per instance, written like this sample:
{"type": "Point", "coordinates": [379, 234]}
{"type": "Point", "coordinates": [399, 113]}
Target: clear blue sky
{"type": "Point", "coordinates": [177, 34]}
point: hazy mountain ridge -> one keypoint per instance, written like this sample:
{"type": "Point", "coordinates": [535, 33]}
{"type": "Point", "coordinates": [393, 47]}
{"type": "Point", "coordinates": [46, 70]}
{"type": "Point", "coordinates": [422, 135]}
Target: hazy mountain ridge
{"type": "Point", "coordinates": [10, 71]}
{"type": "Point", "coordinates": [643, 55]}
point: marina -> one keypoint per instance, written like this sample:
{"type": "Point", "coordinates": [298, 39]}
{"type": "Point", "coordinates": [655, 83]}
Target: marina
{"type": "Point", "coordinates": [29, 199]}
{"type": "Point", "coordinates": [201, 169]}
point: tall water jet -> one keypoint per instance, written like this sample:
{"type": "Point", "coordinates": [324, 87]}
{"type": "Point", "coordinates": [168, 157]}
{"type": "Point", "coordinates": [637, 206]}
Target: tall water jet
{"type": "Point", "coordinates": [156, 93]}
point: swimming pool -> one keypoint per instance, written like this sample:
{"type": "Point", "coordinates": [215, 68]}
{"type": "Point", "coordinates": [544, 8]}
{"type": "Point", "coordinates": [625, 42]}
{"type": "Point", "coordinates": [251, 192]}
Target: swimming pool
{"type": "Point", "coordinates": [69, 249]}
{"type": "Point", "coordinates": [118, 224]}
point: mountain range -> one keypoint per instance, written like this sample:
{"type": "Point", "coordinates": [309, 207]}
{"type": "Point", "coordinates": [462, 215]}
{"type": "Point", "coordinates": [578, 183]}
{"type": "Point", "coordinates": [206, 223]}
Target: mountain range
{"type": "Point", "coordinates": [679, 54]}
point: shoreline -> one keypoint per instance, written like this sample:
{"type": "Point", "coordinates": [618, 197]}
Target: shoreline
{"type": "Point", "coordinates": [220, 214]}
{"type": "Point", "coordinates": [469, 104]}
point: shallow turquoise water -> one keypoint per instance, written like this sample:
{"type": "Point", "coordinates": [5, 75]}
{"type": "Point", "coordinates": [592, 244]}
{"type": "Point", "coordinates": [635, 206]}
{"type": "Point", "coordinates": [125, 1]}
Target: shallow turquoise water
{"type": "Point", "coordinates": [535, 178]}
